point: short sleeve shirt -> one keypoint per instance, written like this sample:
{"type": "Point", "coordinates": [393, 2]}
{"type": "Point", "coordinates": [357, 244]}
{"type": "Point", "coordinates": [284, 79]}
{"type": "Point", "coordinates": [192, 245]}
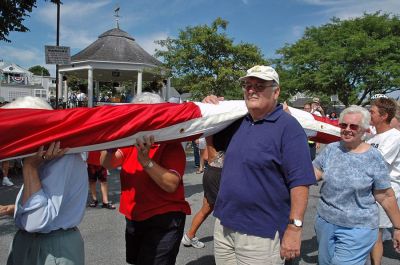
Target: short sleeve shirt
{"type": "Point", "coordinates": [388, 144]}
{"type": "Point", "coordinates": [141, 197]}
{"type": "Point", "coordinates": [94, 158]}
{"type": "Point", "coordinates": [264, 160]}
{"type": "Point", "coordinates": [348, 183]}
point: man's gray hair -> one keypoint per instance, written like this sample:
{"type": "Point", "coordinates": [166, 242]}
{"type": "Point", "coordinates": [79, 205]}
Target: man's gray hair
{"type": "Point", "coordinates": [28, 102]}
{"type": "Point", "coordinates": [275, 85]}
{"type": "Point", "coordinates": [147, 98]}
{"type": "Point", "coordinates": [397, 115]}
{"type": "Point", "coordinates": [366, 116]}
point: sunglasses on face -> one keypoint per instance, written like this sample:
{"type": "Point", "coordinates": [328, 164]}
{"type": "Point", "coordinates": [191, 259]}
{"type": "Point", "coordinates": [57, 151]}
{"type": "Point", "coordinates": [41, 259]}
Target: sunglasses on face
{"type": "Point", "coordinates": [259, 87]}
{"type": "Point", "coordinates": [353, 127]}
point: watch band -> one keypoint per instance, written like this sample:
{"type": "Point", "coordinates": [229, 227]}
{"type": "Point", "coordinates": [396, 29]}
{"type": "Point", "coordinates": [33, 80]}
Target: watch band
{"type": "Point", "coordinates": [296, 222]}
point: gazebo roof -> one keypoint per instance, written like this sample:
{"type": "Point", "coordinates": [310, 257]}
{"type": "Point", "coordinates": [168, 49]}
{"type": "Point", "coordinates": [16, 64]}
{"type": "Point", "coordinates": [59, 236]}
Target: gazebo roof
{"type": "Point", "coordinates": [115, 45]}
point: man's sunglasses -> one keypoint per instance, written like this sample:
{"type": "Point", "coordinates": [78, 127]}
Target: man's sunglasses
{"type": "Point", "coordinates": [353, 127]}
{"type": "Point", "coordinates": [259, 87]}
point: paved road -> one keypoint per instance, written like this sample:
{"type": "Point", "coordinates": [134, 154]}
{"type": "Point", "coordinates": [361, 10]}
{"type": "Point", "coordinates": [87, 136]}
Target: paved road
{"type": "Point", "coordinates": [103, 229]}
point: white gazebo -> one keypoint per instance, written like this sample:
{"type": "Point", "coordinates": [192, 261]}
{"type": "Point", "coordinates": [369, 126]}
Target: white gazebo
{"type": "Point", "coordinates": [113, 57]}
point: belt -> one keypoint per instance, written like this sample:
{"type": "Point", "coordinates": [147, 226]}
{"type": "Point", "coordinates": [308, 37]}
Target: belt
{"type": "Point", "coordinates": [52, 233]}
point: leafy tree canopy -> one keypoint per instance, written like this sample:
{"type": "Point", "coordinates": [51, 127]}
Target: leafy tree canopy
{"type": "Point", "coordinates": [39, 70]}
{"type": "Point", "coordinates": [12, 15]}
{"type": "Point", "coordinates": [204, 60]}
{"type": "Point", "coordinates": [352, 58]}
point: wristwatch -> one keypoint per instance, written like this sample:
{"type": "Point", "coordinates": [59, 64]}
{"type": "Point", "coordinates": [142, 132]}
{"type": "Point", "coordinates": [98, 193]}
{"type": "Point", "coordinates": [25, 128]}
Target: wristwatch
{"type": "Point", "coordinates": [296, 222]}
{"type": "Point", "coordinates": [149, 165]}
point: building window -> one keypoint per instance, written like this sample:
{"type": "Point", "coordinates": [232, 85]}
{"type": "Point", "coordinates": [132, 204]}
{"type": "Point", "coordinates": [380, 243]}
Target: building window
{"type": "Point", "coordinates": [40, 93]}
{"type": "Point", "coordinates": [16, 94]}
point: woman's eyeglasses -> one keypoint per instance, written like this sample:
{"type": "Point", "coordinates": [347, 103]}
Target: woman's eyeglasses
{"type": "Point", "coordinates": [353, 127]}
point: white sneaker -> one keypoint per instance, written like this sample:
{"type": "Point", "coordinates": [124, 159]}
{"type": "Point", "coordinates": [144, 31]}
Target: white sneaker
{"type": "Point", "coordinates": [7, 182]}
{"type": "Point", "coordinates": [194, 242]}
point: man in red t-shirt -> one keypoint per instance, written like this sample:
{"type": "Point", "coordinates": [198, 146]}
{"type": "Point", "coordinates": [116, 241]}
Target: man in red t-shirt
{"type": "Point", "coordinates": [152, 199]}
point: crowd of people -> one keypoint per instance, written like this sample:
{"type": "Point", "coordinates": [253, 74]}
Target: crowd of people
{"type": "Point", "coordinates": [256, 181]}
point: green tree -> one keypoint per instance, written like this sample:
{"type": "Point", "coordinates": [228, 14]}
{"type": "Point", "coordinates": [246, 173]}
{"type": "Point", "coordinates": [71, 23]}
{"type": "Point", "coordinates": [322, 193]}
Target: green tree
{"type": "Point", "coordinates": [204, 60]}
{"type": "Point", "coordinates": [12, 15]}
{"type": "Point", "coordinates": [39, 70]}
{"type": "Point", "coordinates": [353, 58]}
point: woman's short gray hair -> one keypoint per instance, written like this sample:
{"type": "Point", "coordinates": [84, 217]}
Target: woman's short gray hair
{"type": "Point", "coordinates": [28, 102]}
{"type": "Point", "coordinates": [366, 116]}
{"type": "Point", "coordinates": [147, 97]}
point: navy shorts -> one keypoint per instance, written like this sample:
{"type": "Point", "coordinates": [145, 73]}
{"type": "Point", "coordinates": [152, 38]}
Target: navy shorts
{"type": "Point", "coordinates": [211, 180]}
{"type": "Point", "coordinates": [155, 240]}
{"type": "Point", "coordinates": [97, 173]}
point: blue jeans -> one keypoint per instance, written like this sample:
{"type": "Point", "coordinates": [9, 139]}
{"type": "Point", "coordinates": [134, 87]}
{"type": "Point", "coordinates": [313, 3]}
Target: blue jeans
{"type": "Point", "coordinates": [155, 240]}
{"type": "Point", "coordinates": [196, 154]}
{"type": "Point", "coordinates": [338, 245]}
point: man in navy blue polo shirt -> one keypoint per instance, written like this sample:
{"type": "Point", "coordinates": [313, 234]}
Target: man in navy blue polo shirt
{"type": "Point", "coordinates": [264, 187]}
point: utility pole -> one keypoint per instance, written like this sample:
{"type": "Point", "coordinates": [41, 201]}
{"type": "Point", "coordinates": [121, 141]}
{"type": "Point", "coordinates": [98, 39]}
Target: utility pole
{"type": "Point", "coordinates": [57, 44]}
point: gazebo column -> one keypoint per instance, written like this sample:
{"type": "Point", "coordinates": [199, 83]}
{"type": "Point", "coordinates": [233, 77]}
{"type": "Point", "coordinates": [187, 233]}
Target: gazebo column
{"type": "Point", "coordinates": [168, 89]}
{"type": "Point", "coordinates": [97, 89]}
{"type": "Point", "coordinates": [60, 87]}
{"type": "Point", "coordinates": [90, 87]}
{"type": "Point", "coordinates": [133, 89]}
{"type": "Point", "coordinates": [139, 82]}
{"type": "Point", "coordinates": [65, 86]}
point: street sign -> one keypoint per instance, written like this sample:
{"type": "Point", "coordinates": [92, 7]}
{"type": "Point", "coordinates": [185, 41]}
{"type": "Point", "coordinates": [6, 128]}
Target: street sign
{"type": "Point", "coordinates": [57, 54]}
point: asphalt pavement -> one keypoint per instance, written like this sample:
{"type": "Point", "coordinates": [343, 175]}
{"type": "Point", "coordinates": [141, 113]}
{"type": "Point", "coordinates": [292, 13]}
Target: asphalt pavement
{"type": "Point", "coordinates": [103, 229]}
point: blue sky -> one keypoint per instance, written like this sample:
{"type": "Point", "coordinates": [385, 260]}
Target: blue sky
{"type": "Point", "coordinates": [269, 24]}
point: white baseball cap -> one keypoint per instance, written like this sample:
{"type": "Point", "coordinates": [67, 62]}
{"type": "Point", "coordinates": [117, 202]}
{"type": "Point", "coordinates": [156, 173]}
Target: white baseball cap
{"type": "Point", "coordinates": [376, 96]}
{"type": "Point", "coordinates": [263, 72]}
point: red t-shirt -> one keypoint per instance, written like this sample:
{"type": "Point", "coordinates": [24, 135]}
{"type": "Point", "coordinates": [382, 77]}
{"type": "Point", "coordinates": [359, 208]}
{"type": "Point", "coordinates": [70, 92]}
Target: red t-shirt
{"type": "Point", "coordinates": [94, 158]}
{"type": "Point", "coordinates": [141, 197]}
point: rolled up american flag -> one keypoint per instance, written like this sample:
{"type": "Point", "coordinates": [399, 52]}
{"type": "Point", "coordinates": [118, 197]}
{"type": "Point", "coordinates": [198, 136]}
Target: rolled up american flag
{"type": "Point", "coordinates": [23, 131]}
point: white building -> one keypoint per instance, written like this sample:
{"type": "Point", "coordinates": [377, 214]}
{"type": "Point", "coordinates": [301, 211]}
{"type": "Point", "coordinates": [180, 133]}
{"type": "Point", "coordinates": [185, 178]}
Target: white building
{"type": "Point", "coordinates": [16, 81]}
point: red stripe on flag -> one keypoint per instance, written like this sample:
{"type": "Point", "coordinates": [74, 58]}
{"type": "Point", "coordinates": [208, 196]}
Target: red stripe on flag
{"type": "Point", "coordinates": [23, 131]}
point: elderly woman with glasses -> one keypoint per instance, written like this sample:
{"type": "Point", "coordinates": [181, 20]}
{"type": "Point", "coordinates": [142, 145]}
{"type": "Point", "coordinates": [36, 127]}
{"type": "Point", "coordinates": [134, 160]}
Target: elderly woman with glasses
{"type": "Point", "coordinates": [355, 178]}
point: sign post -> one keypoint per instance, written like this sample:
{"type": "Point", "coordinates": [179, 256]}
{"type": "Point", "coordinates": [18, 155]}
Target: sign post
{"type": "Point", "coordinates": [57, 55]}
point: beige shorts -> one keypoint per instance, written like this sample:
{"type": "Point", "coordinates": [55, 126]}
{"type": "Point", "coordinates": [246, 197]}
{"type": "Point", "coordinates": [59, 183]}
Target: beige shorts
{"type": "Point", "coordinates": [234, 248]}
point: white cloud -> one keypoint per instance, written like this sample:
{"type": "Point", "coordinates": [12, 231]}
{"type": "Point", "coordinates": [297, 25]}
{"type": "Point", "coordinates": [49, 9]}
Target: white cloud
{"type": "Point", "coordinates": [22, 57]}
{"type": "Point", "coordinates": [323, 2]}
{"type": "Point", "coordinates": [77, 39]}
{"type": "Point", "coordinates": [345, 9]}
{"type": "Point", "coordinates": [80, 22]}
{"type": "Point", "coordinates": [26, 58]}
{"type": "Point", "coordinates": [147, 42]}
{"type": "Point", "coordinates": [74, 13]}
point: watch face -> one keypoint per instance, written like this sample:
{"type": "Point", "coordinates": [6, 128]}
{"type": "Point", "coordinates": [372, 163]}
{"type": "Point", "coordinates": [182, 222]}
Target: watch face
{"type": "Point", "coordinates": [297, 222]}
